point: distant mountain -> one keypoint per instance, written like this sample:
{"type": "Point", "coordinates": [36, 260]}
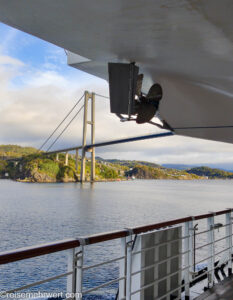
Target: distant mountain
{"type": "Point", "coordinates": [228, 167]}
{"type": "Point", "coordinates": [129, 163]}
{"type": "Point", "coordinates": [179, 166]}
{"type": "Point", "coordinates": [211, 173]}
{"type": "Point", "coordinates": [148, 172]}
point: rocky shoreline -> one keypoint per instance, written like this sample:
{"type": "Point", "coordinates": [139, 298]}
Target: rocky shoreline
{"type": "Point", "coordinates": [34, 166]}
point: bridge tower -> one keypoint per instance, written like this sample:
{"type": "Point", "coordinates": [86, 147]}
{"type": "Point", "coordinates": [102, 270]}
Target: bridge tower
{"type": "Point", "coordinates": [88, 96]}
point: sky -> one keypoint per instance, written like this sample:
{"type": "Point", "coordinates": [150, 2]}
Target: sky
{"type": "Point", "coordinates": [37, 89]}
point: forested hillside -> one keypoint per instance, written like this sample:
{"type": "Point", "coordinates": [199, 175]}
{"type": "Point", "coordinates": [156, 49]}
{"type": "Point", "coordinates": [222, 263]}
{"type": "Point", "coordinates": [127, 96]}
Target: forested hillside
{"type": "Point", "coordinates": [211, 173]}
{"type": "Point", "coordinates": [15, 151]}
{"type": "Point", "coordinates": [35, 166]}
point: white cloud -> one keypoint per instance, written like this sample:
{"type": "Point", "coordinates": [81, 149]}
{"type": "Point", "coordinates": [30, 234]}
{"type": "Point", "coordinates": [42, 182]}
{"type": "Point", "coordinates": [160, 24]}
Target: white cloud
{"type": "Point", "coordinates": [7, 60]}
{"type": "Point", "coordinates": [45, 78]}
{"type": "Point", "coordinates": [7, 38]}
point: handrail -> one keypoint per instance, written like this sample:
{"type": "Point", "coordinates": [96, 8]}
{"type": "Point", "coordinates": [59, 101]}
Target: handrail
{"type": "Point", "coordinates": [141, 229]}
{"type": "Point", "coordinates": [48, 248]}
{"type": "Point", "coordinates": [34, 251]}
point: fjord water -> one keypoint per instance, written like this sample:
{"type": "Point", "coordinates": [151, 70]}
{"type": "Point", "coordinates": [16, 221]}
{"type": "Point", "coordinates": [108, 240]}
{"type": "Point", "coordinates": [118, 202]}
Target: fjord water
{"type": "Point", "coordinates": [36, 213]}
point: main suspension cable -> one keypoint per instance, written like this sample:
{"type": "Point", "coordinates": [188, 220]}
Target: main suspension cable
{"type": "Point", "coordinates": [65, 128]}
{"type": "Point", "coordinates": [59, 125]}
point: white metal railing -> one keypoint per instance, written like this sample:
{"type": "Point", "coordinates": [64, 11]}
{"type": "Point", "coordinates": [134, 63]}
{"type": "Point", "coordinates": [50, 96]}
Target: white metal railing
{"type": "Point", "coordinates": [213, 246]}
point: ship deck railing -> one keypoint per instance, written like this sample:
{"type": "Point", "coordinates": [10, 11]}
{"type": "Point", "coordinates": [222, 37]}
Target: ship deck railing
{"type": "Point", "coordinates": [206, 258]}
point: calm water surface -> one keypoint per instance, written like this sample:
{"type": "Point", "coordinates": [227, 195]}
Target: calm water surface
{"type": "Point", "coordinates": [38, 213]}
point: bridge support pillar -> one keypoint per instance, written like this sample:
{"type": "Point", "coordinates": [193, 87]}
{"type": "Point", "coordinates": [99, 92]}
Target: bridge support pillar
{"type": "Point", "coordinates": [84, 142]}
{"type": "Point", "coordinates": [57, 157]}
{"type": "Point", "coordinates": [93, 137]}
{"type": "Point", "coordinates": [76, 160]}
{"type": "Point", "coordinates": [66, 159]}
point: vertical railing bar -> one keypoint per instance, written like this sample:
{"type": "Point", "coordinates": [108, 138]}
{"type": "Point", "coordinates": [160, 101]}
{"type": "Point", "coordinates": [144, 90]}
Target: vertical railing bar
{"type": "Point", "coordinates": [180, 263]}
{"type": "Point", "coordinates": [168, 281]}
{"type": "Point", "coordinates": [123, 267]}
{"type": "Point", "coordinates": [71, 279]}
{"type": "Point", "coordinates": [79, 271]}
{"type": "Point", "coordinates": [229, 241]}
{"type": "Point", "coordinates": [186, 261]}
{"type": "Point", "coordinates": [191, 250]}
{"type": "Point", "coordinates": [129, 267]}
{"type": "Point", "coordinates": [210, 224]}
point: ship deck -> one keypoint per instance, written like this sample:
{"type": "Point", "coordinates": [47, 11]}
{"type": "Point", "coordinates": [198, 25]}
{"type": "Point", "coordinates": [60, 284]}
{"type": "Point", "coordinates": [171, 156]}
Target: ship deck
{"type": "Point", "coordinates": [172, 256]}
{"type": "Point", "coordinates": [221, 291]}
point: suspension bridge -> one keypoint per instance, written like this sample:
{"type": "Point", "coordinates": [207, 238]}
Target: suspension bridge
{"type": "Point", "coordinates": [84, 147]}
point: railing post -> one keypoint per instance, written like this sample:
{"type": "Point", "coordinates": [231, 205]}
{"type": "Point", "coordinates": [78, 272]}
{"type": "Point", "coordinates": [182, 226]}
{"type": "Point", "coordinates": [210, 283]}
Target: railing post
{"type": "Point", "coordinates": [123, 263]}
{"type": "Point", "coordinates": [191, 250]}
{"type": "Point", "coordinates": [79, 272]}
{"type": "Point", "coordinates": [187, 259]}
{"type": "Point", "coordinates": [210, 236]}
{"type": "Point", "coordinates": [129, 267]}
{"type": "Point", "coordinates": [71, 268]}
{"type": "Point", "coordinates": [229, 241]}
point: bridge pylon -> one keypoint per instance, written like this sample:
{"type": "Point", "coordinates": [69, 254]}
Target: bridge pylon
{"type": "Point", "coordinates": [88, 96]}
